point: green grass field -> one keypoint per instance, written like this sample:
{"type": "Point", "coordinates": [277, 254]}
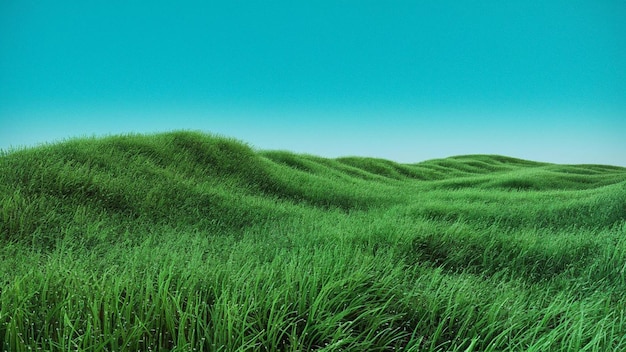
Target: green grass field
{"type": "Point", "coordinates": [190, 242]}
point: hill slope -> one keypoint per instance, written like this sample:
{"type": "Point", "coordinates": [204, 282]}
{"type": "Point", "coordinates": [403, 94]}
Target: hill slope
{"type": "Point", "coordinates": [196, 241]}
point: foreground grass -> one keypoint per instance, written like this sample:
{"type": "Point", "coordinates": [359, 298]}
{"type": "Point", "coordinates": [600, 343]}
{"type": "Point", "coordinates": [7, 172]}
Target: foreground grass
{"type": "Point", "coordinates": [183, 242]}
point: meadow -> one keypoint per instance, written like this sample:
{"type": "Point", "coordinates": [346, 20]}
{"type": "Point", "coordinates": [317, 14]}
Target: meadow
{"type": "Point", "coordinates": [185, 241]}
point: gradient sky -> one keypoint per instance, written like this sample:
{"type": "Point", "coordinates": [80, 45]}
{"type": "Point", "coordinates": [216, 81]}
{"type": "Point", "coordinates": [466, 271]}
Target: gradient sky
{"type": "Point", "coordinates": [402, 80]}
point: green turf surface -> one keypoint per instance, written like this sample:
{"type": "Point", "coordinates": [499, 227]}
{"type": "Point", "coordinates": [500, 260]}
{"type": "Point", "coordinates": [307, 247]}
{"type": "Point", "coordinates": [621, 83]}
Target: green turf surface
{"type": "Point", "coordinates": [190, 242]}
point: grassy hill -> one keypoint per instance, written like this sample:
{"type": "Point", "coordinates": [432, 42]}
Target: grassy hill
{"type": "Point", "coordinates": [190, 242]}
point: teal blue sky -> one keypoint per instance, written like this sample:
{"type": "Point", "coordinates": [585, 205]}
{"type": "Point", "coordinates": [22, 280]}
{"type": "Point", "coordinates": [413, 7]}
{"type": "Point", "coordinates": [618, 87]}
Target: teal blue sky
{"type": "Point", "coordinates": [402, 80]}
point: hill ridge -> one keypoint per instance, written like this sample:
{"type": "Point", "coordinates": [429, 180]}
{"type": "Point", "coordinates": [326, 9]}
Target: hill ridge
{"type": "Point", "coordinates": [218, 182]}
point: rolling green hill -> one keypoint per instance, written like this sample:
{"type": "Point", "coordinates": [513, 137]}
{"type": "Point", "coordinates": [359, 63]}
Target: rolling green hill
{"type": "Point", "coordinates": [191, 242]}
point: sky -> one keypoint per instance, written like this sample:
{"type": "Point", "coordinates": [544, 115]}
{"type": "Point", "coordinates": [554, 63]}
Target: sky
{"type": "Point", "coordinates": [402, 80]}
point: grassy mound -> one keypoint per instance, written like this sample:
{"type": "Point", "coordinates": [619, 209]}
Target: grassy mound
{"type": "Point", "coordinates": [185, 241]}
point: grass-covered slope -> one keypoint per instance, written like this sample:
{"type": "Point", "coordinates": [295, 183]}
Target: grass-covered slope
{"type": "Point", "coordinates": [185, 241]}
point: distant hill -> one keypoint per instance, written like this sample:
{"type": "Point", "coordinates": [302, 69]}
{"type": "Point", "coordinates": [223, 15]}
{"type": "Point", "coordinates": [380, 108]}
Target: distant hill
{"type": "Point", "coordinates": [214, 181]}
{"type": "Point", "coordinates": [210, 181]}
